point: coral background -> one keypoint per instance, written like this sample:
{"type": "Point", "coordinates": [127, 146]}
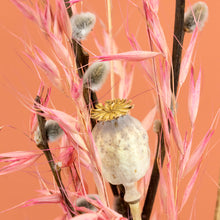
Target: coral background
{"type": "Point", "coordinates": [17, 75]}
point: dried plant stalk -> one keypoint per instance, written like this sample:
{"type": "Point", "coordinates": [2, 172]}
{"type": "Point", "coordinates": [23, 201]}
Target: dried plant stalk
{"type": "Point", "coordinates": [174, 76]}
{"type": "Point", "coordinates": [217, 209]}
{"type": "Point", "coordinates": [56, 173]}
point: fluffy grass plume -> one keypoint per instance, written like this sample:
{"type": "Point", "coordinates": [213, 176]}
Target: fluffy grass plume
{"type": "Point", "coordinates": [82, 24]}
{"type": "Point", "coordinates": [195, 15]}
{"type": "Point", "coordinates": [96, 75]}
{"type": "Point", "coordinates": [53, 132]}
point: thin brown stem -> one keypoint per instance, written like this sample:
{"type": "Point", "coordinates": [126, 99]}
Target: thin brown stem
{"type": "Point", "coordinates": [68, 8]}
{"type": "Point", "coordinates": [177, 44]}
{"type": "Point", "coordinates": [90, 97]}
{"type": "Point", "coordinates": [43, 145]}
{"type": "Point", "coordinates": [155, 176]}
{"type": "Point", "coordinates": [217, 208]}
{"type": "Point", "coordinates": [174, 76]}
{"type": "Point", "coordinates": [123, 207]}
{"type": "Point", "coordinates": [82, 60]}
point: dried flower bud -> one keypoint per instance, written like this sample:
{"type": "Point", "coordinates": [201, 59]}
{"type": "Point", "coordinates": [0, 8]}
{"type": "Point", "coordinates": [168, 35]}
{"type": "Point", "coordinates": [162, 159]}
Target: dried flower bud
{"type": "Point", "coordinates": [58, 166]}
{"type": "Point", "coordinates": [122, 144]}
{"type": "Point", "coordinates": [82, 24]}
{"type": "Point", "coordinates": [37, 137]}
{"type": "Point", "coordinates": [195, 15]}
{"type": "Point", "coordinates": [82, 202]}
{"type": "Point", "coordinates": [96, 75]}
{"type": "Point", "coordinates": [53, 132]}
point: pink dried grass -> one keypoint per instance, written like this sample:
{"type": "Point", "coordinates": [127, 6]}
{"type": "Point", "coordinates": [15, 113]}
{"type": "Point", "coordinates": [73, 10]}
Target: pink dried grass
{"type": "Point", "coordinates": [17, 160]}
{"type": "Point", "coordinates": [77, 128]}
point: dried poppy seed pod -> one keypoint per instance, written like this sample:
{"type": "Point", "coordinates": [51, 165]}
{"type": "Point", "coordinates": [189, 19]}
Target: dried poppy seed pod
{"type": "Point", "coordinates": [53, 132]}
{"type": "Point", "coordinates": [123, 148]}
{"type": "Point", "coordinates": [82, 24]}
{"type": "Point", "coordinates": [96, 75]}
{"type": "Point", "coordinates": [195, 15]}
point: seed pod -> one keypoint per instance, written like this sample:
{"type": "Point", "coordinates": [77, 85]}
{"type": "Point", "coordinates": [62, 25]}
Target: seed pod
{"type": "Point", "coordinates": [96, 75]}
{"type": "Point", "coordinates": [123, 148]}
{"type": "Point", "coordinates": [53, 132]}
{"type": "Point", "coordinates": [195, 15]}
{"type": "Point", "coordinates": [82, 24]}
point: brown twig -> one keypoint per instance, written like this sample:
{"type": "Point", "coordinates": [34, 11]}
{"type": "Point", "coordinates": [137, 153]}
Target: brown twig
{"type": "Point", "coordinates": [177, 44]}
{"type": "Point", "coordinates": [155, 176]}
{"type": "Point", "coordinates": [217, 208]}
{"type": "Point", "coordinates": [43, 145]}
{"type": "Point", "coordinates": [90, 97]}
{"type": "Point", "coordinates": [174, 76]}
{"type": "Point", "coordinates": [68, 8]}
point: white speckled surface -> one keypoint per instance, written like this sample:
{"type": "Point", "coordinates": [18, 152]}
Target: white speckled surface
{"type": "Point", "coordinates": [123, 147]}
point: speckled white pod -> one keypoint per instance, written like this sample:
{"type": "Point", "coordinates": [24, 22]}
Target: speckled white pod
{"type": "Point", "coordinates": [123, 148]}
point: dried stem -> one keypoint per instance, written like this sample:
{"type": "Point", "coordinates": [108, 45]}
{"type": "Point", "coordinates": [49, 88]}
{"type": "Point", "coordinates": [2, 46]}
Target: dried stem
{"type": "Point", "coordinates": [176, 61]}
{"type": "Point", "coordinates": [135, 210]}
{"type": "Point", "coordinates": [68, 8]}
{"type": "Point", "coordinates": [217, 208]}
{"type": "Point", "coordinates": [124, 208]}
{"type": "Point", "coordinates": [155, 176]}
{"type": "Point", "coordinates": [56, 172]}
{"type": "Point", "coordinates": [177, 44]}
{"type": "Point", "coordinates": [90, 97]}
{"type": "Point", "coordinates": [82, 60]}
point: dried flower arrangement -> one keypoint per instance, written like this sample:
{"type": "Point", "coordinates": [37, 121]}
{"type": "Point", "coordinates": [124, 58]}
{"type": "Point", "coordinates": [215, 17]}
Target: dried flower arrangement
{"type": "Point", "coordinates": [104, 138]}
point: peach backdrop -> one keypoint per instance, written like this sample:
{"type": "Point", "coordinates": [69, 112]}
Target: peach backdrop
{"type": "Point", "coordinates": [18, 75]}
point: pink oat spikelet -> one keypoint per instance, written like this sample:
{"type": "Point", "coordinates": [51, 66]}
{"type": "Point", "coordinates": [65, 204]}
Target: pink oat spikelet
{"type": "Point", "coordinates": [63, 18]}
{"type": "Point", "coordinates": [186, 60]}
{"type": "Point", "coordinates": [17, 160]}
{"type": "Point", "coordinates": [154, 26]}
{"type": "Point", "coordinates": [51, 198]}
{"type": "Point", "coordinates": [130, 56]}
{"type": "Point", "coordinates": [50, 69]}
{"type": "Point", "coordinates": [194, 96]}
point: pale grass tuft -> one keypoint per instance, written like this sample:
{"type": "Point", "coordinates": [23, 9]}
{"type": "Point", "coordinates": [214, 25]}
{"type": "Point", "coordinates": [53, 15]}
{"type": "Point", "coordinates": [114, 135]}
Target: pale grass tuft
{"type": "Point", "coordinates": [95, 76]}
{"type": "Point", "coordinates": [82, 24]}
{"type": "Point", "coordinates": [83, 202]}
{"type": "Point", "coordinates": [53, 132]}
{"type": "Point", "coordinates": [195, 16]}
